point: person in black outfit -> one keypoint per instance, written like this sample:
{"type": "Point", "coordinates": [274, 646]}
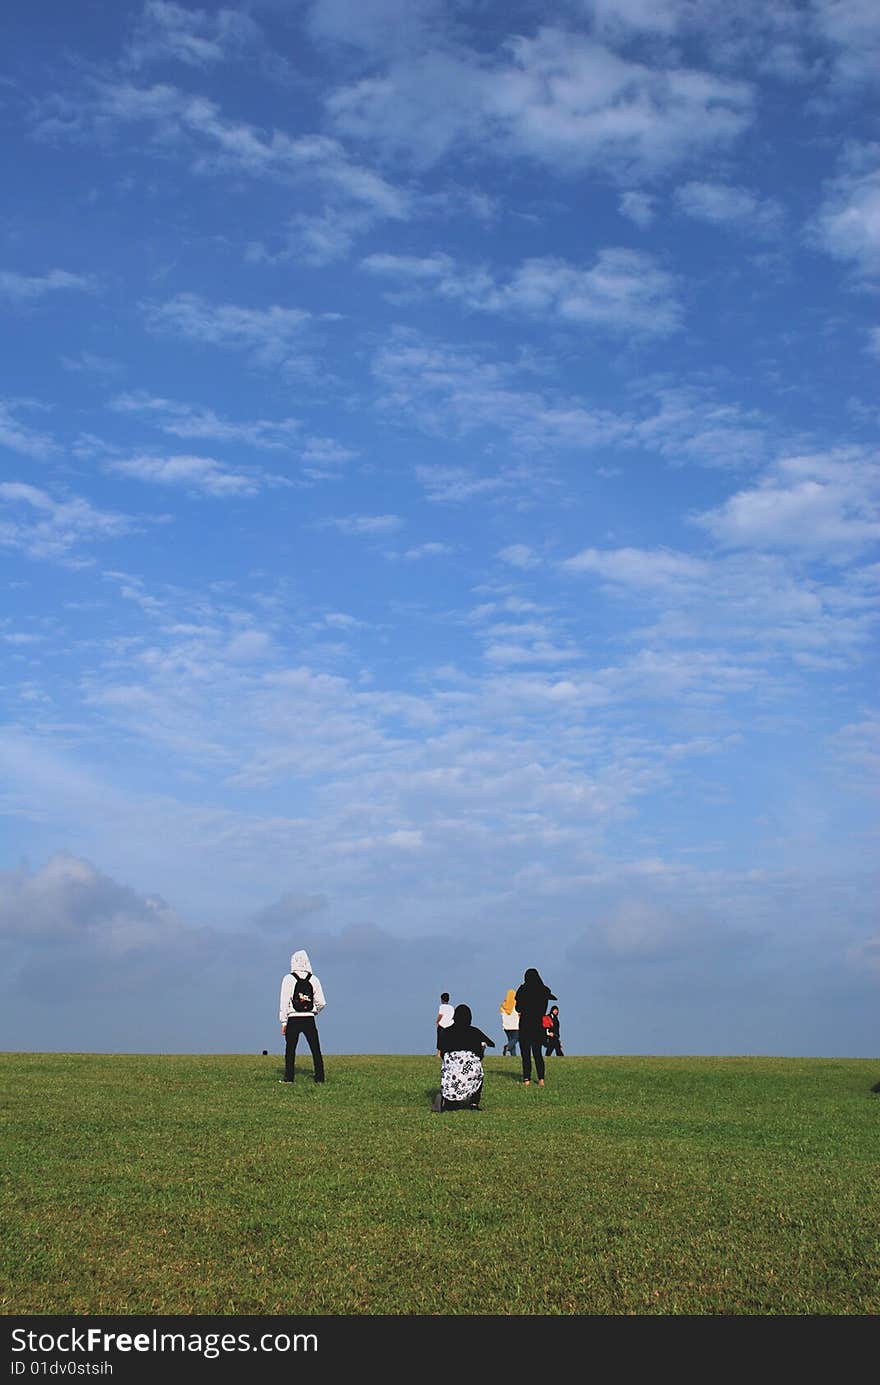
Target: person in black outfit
{"type": "Point", "coordinates": [461, 1080]}
{"type": "Point", "coordinates": [531, 1002]}
{"type": "Point", "coordinates": [551, 1035]}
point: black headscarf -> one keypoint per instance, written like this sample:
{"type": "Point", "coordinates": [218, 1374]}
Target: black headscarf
{"type": "Point", "coordinates": [532, 998]}
{"type": "Point", "coordinates": [461, 1036]}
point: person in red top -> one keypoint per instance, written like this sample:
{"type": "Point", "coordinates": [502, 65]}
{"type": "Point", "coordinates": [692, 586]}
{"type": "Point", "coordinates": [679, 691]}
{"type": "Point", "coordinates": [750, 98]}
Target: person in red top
{"type": "Point", "coordinates": [551, 1033]}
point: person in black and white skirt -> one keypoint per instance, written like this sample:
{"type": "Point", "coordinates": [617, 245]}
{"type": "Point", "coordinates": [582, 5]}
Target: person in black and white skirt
{"type": "Point", "coordinates": [461, 1078]}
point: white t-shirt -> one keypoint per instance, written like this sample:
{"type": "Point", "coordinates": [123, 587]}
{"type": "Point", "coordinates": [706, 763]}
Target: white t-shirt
{"type": "Point", "coordinates": [445, 1015]}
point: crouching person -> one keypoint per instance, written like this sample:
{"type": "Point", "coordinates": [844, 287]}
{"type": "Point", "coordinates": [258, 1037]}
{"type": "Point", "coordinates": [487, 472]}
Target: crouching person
{"type": "Point", "coordinates": [461, 1052]}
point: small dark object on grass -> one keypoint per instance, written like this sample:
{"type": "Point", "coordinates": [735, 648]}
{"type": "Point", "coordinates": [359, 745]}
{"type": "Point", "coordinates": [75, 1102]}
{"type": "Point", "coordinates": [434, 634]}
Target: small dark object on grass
{"type": "Point", "coordinates": [265, 1052]}
{"type": "Point", "coordinates": [876, 1087]}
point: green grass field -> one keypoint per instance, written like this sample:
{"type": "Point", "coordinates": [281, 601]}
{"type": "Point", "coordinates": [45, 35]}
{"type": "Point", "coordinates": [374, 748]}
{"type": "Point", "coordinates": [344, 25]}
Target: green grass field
{"type": "Point", "coordinates": [140, 1184]}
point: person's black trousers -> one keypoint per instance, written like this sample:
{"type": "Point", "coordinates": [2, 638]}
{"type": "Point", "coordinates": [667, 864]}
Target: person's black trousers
{"type": "Point", "coordinates": [305, 1026]}
{"type": "Point", "coordinates": [531, 1045]}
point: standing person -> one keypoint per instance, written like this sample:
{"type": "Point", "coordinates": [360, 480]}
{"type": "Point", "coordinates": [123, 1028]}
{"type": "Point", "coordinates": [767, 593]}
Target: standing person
{"type": "Point", "coordinates": [531, 1002]}
{"type": "Point", "coordinates": [302, 1000]}
{"type": "Point", "coordinates": [509, 1023]}
{"type": "Point", "coordinates": [444, 1017]}
{"type": "Point", "coordinates": [461, 1076]}
{"type": "Point", "coordinates": [551, 1033]}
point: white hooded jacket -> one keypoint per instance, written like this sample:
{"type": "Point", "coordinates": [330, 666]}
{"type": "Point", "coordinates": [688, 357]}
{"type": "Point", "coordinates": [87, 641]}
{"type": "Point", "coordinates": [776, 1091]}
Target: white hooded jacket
{"type": "Point", "coordinates": [299, 966]}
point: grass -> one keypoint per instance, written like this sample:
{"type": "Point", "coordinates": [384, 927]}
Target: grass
{"type": "Point", "coordinates": [156, 1185]}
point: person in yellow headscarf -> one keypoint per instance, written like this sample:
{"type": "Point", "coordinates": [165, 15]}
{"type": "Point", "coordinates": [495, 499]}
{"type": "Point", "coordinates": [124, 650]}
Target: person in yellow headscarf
{"type": "Point", "coordinates": [510, 1024]}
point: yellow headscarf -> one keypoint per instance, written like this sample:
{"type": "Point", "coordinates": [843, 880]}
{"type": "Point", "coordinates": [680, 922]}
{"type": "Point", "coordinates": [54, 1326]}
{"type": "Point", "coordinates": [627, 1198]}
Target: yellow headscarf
{"type": "Point", "coordinates": [508, 1004]}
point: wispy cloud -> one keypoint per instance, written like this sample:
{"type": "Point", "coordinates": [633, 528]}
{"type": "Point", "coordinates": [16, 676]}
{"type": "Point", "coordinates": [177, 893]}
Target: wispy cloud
{"type": "Point", "coordinates": [365, 524]}
{"type": "Point", "coordinates": [45, 528]}
{"type": "Point", "coordinates": [381, 25]}
{"type": "Point", "coordinates": [27, 288]}
{"type": "Point", "coordinates": [624, 291]}
{"type": "Point", "coordinates": [638, 567]}
{"type": "Point", "coordinates": [687, 424]}
{"type": "Point", "coordinates": [456, 484]}
{"type": "Point", "coordinates": [427, 550]}
{"type": "Point", "coordinates": [194, 128]}
{"type": "Point", "coordinates": [557, 98]}
{"type": "Point", "coordinates": [756, 597]}
{"type": "Point", "coordinates": [520, 555]}
{"type": "Point", "coordinates": [320, 458]}
{"type": "Point", "coordinates": [19, 438]}
{"type": "Point", "coordinates": [730, 206]}
{"type": "Point", "coordinates": [268, 334]}
{"type": "Point", "coordinates": [852, 27]}
{"type": "Point", "coordinates": [201, 475]}
{"type": "Point", "coordinates": [639, 207]}
{"type": "Point", "coordinates": [451, 390]}
{"type": "Point", "coordinates": [848, 223]}
{"type": "Point", "coordinates": [194, 421]}
{"type": "Point", "coordinates": [191, 36]}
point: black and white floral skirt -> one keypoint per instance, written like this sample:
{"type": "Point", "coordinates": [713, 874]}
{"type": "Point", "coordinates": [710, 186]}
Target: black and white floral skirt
{"type": "Point", "coordinates": [461, 1080]}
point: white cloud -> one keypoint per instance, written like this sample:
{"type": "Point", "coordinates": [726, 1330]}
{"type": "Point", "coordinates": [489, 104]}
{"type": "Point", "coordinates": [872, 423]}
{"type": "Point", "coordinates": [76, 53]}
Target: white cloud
{"type": "Point", "coordinates": [858, 746]}
{"type": "Point", "coordinates": [848, 223]}
{"type": "Point", "coordinates": [456, 484]}
{"type": "Point", "coordinates": [427, 550]}
{"type": "Point", "coordinates": [638, 567]}
{"type": "Point", "coordinates": [45, 528]}
{"type": "Point", "coordinates": [760, 604]}
{"type": "Point", "coordinates": [724, 204]}
{"type": "Point", "coordinates": [288, 911]}
{"type": "Point", "coordinates": [574, 101]}
{"type": "Point", "coordinates": [453, 392]}
{"type": "Point", "coordinates": [519, 555]}
{"type": "Point", "coordinates": [324, 458]}
{"type": "Point", "coordinates": [268, 333]}
{"type": "Point", "coordinates": [639, 207]}
{"type": "Point", "coordinates": [647, 929]}
{"type": "Point", "coordinates": [406, 838]}
{"type": "Point", "coordinates": [88, 363]}
{"type": "Point", "coordinates": [68, 900]}
{"type": "Point", "coordinates": [365, 524]}
{"type": "Point", "coordinates": [200, 474]}
{"type": "Point", "coordinates": [247, 646]}
{"type": "Point", "coordinates": [690, 425]}
{"type": "Point", "coordinates": [624, 291]}
{"type": "Point", "coordinates": [651, 16]}
{"type": "Point", "coordinates": [192, 421]}
{"type": "Point", "coordinates": [826, 503]}
{"type": "Point", "coordinates": [192, 127]}
{"type": "Point", "coordinates": [321, 457]}
{"type": "Point", "coordinates": [512, 652]}
{"type": "Point", "coordinates": [25, 288]}
{"type": "Point", "coordinates": [191, 36]}
{"type": "Point", "coordinates": [853, 28]}
{"type": "Point", "coordinates": [557, 97]}
{"type": "Point", "coordinates": [19, 438]}
{"type": "Point", "coordinates": [385, 25]}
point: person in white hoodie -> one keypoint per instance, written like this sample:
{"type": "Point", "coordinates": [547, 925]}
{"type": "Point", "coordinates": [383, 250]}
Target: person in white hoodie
{"type": "Point", "coordinates": [302, 1000]}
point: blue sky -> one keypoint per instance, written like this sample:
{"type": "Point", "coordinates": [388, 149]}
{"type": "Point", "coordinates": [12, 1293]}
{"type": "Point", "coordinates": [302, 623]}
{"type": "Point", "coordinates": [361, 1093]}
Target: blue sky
{"type": "Point", "coordinates": [439, 520]}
